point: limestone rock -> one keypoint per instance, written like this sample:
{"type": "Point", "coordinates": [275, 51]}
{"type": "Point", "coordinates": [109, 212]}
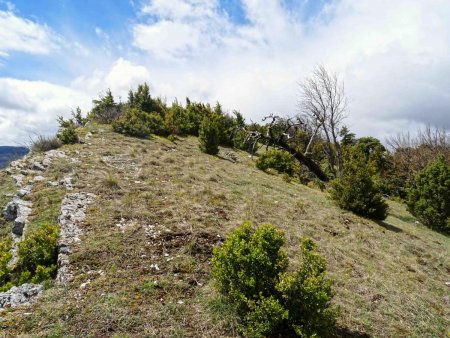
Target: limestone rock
{"type": "Point", "coordinates": [17, 208]}
{"type": "Point", "coordinates": [38, 166]}
{"type": "Point", "coordinates": [24, 191]}
{"type": "Point", "coordinates": [19, 179]}
{"type": "Point", "coordinates": [73, 212]}
{"type": "Point", "coordinates": [25, 294]}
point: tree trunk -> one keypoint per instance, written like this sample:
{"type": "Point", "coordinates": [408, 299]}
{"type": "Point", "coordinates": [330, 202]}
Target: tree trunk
{"type": "Point", "coordinates": [309, 163]}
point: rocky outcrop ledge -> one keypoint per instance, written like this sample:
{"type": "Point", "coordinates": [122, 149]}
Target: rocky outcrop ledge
{"type": "Point", "coordinates": [25, 173]}
{"type": "Point", "coordinates": [73, 212]}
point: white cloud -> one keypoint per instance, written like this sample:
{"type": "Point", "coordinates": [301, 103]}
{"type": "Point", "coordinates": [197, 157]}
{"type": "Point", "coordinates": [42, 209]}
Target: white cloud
{"type": "Point", "coordinates": [393, 56]}
{"type": "Point", "coordinates": [122, 76]}
{"type": "Point", "coordinates": [167, 39]}
{"type": "Point", "coordinates": [23, 35]}
{"type": "Point", "coordinates": [181, 9]}
{"type": "Point", "coordinates": [28, 108]}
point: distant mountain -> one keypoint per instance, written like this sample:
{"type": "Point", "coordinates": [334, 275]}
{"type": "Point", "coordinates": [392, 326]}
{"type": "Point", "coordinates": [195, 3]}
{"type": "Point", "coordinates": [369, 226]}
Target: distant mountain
{"type": "Point", "coordinates": [8, 154]}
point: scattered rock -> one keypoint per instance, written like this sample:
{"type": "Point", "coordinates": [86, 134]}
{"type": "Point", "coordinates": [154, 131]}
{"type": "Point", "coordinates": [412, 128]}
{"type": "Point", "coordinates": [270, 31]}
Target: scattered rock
{"type": "Point", "coordinates": [53, 183]}
{"type": "Point", "coordinates": [230, 156]}
{"type": "Point", "coordinates": [83, 285]}
{"type": "Point", "coordinates": [46, 162]}
{"type": "Point", "coordinates": [25, 294]}
{"type": "Point", "coordinates": [38, 178]}
{"type": "Point", "coordinates": [38, 166]}
{"type": "Point", "coordinates": [24, 191]}
{"type": "Point", "coordinates": [67, 182]}
{"type": "Point", "coordinates": [19, 179]}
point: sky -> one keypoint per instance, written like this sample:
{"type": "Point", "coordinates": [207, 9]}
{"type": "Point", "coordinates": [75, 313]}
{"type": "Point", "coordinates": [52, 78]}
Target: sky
{"type": "Point", "coordinates": [250, 55]}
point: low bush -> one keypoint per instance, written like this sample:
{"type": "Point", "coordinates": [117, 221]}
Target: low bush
{"type": "Point", "coordinates": [250, 271]}
{"type": "Point", "coordinates": [68, 135]}
{"type": "Point", "coordinates": [45, 143]}
{"type": "Point", "coordinates": [5, 257]}
{"type": "Point", "coordinates": [135, 122]}
{"type": "Point", "coordinates": [429, 195]}
{"type": "Point", "coordinates": [355, 190]}
{"type": "Point", "coordinates": [38, 253]}
{"type": "Point", "coordinates": [280, 160]}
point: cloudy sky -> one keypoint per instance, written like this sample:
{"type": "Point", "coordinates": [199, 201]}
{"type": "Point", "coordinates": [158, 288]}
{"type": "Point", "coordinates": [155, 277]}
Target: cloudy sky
{"type": "Point", "coordinates": [393, 56]}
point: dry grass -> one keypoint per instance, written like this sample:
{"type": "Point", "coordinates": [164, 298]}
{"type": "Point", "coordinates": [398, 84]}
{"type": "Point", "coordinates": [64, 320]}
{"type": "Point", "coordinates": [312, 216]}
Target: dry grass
{"type": "Point", "coordinates": [146, 249]}
{"type": "Point", "coordinates": [45, 143]}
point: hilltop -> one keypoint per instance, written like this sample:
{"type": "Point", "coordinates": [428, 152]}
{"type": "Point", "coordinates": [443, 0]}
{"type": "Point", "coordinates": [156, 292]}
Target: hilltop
{"type": "Point", "coordinates": [141, 266]}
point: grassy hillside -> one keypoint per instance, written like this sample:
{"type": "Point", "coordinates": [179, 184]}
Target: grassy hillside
{"type": "Point", "coordinates": [142, 266]}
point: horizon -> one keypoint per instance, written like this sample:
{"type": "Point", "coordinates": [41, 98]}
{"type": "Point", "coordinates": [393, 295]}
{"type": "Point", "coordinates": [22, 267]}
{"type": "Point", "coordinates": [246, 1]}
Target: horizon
{"type": "Point", "coordinates": [247, 55]}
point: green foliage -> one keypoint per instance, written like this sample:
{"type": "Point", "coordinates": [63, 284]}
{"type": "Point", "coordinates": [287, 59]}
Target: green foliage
{"type": "Point", "coordinates": [266, 315]}
{"type": "Point", "coordinates": [306, 294]}
{"type": "Point", "coordinates": [80, 121]}
{"type": "Point", "coordinates": [429, 195]}
{"type": "Point", "coordinates": [209, 135]}
{"type": "Point", "coordinates": [67, 130]}
{"type": "Point", "coordinates": [105, 109]}
{"type": "Point", "coordinates": [250, 270]}
{"type": "Point", "coordinates": [135, 122]}
{"type": "Point", "coordinates": [279, 160]}
{"type": "Point", "coordinates": [68, 135]}
{"type": "Point", "coordinates": [196, 112]}
{"type": "Point", "coordinates": [5, 257]}
{"type": "Point", "coordinates": [249, 263]}
{"type": "Point", "coordinates": [38, 253]}
{"type": "Point", "coordinates": [356, 190]}
{"type": "Point", "coordinates": [142, 100]}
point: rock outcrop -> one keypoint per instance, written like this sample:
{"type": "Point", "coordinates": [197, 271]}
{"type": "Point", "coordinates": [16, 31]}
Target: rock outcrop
{"type": "Point", "coordinates": [26, 172]}
{"type": "Point", "coordinates": [73, 212]}
{"type": "Point", "coordinates": [25, 294]}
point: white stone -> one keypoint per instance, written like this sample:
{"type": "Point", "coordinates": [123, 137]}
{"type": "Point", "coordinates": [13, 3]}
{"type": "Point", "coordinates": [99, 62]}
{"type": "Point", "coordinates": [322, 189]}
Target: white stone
{"type": "Point", "coordinates": [25, 294]}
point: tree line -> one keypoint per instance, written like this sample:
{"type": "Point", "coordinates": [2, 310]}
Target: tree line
{"type": "Point", "coordinates": [316, 141]}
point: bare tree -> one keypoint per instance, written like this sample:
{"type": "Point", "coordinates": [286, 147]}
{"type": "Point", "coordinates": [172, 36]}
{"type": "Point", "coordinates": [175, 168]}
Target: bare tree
{"type": "Point", "coordinates": [412, 153]}
{"type": "Point", "coordinates": [323, 105]}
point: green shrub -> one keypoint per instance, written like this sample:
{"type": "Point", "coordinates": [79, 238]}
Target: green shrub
{"type": "Point", "coordinates": [307, 294]}
{"type": "Point", "coordinates": [280, 160]}
{"type": "Point", "coordinates": [105, 109]}
{"type": "Point", "coordinates": [209, 135]}
{"type": "Point", "coordinates": [250, 271]}
{"type": "Point", "coordinates": [135, 122]}
{"type": "Point", "coordinates": [5, 257]}
{"type": "Point", "coordinates": [429, 195]}
{"type": "Point", "coordinates": [68, 135]}
{"type": "Point", "coordinates": [355, 190]}
{"type": "Point", "coordinates": [38, 253]}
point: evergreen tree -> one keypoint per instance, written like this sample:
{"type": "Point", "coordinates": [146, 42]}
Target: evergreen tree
{"type": "Point", "coordinates": [355, 190]}
{"type": "Point", "coordinates": [429, 195]}
{"type": "Point", "coordinates": [209, 135]}
{"type": "Point", "coordinates": [105, 109]}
